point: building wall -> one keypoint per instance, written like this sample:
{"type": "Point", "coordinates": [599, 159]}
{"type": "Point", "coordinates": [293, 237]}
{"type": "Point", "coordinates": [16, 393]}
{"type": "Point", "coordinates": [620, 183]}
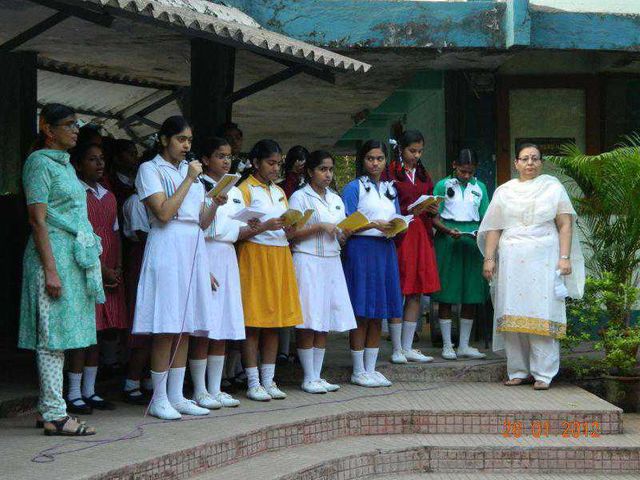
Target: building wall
{"type": "Point", "coordinates": [419, 105]}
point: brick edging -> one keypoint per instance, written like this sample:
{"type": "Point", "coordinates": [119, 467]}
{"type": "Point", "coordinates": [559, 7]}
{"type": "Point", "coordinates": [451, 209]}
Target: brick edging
{"type": "Point", "coordinates": [220, 453]}
{"type": "Point", "coordinates": [473, 460]}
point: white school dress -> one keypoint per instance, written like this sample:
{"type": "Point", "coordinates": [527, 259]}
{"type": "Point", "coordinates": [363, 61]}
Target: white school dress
{"type": "Point", "coordinates": [324, 297]}
{"type": "Point", "coordinates": [174, 290]}
{"type": "Point", "coordinates": [228, 316]}
{"type": "Point", "coordinates": [134, 218]}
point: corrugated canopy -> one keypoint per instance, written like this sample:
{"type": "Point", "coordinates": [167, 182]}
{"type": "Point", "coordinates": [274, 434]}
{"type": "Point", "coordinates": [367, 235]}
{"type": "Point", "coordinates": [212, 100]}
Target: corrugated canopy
{"type": "Point", "coordinates": [226, 25]}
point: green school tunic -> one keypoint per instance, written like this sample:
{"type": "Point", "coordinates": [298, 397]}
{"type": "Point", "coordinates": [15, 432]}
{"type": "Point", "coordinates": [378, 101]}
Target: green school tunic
{"type": "Point", "coordinates": [459, 260]}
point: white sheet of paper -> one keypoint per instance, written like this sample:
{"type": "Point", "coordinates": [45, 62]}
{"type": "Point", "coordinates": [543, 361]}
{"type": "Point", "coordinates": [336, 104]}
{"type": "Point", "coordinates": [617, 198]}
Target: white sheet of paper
{"type": "Point", "coordinates": [247, 214]}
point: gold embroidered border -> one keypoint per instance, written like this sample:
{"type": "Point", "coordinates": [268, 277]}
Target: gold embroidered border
{"type": "Point", "coordinates": [535, 326]}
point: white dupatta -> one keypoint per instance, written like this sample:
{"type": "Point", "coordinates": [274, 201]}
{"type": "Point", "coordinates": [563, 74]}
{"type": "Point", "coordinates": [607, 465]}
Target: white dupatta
{"type": "Point", "coordinates": [520, 206]}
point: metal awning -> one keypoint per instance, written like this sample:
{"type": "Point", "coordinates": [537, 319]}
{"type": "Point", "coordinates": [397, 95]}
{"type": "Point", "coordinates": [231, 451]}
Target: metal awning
{"type": "Point", "coordinates": [222, 24]}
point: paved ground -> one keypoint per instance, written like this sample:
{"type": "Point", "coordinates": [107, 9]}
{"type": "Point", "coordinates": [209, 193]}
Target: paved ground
{"type": "Point", "coordinates": [504, 476]}
{"type": "Point", "coordinates": [125, 437]}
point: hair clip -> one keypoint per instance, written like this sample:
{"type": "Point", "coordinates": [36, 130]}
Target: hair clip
{"type": "Point", "coordinates": [393, 142]}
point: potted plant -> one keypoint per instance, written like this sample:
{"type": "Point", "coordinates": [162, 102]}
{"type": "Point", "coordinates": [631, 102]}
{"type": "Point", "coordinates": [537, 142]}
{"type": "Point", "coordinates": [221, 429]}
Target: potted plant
{"type": "Point", "coordinates": [605, 194]}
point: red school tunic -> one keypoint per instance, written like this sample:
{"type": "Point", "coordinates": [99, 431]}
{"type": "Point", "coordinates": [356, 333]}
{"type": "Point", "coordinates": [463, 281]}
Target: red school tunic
{"type": "Point", "coordinates": [416, 253]}
{"type": "Point", "coordinates": [103, 215]}
{"type": "Point", "coordinates": [290, 184]}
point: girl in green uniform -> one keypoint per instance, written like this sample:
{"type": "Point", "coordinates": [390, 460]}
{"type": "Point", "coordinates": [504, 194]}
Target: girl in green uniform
{"type": "Point", "coordinates": [459, 259]}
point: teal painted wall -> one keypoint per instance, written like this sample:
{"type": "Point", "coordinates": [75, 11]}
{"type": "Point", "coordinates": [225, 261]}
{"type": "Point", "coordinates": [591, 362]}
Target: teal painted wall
{"type": "Point", "coordinates": [417, 105]}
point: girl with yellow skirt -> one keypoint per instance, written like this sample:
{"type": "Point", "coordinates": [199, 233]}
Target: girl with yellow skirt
{"type": "Point", "coordinates": [270, 297]}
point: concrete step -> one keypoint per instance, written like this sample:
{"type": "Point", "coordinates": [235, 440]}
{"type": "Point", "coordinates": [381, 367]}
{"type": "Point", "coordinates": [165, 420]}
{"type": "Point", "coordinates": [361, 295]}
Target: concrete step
{"type": "Point", "coordinates": [364, 457]}
{"type": "Point", "coordinates": [505, 476]}
{"type": "Point", "coordinates": [130, 446]}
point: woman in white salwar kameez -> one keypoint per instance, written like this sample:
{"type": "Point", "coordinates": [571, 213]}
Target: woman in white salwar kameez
{"type": "Point", "coordinates": [534, 261]}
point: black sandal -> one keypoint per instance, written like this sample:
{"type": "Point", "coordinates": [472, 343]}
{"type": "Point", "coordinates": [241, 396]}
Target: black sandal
{"type": "Point", "coordinates": [98, 403]}
{"type": "Point", "coordinates": [135, 397]}
{"type": "Point", "coordinates": [57, 428]}
{"type": "Point", "coordinates": [79, 409]}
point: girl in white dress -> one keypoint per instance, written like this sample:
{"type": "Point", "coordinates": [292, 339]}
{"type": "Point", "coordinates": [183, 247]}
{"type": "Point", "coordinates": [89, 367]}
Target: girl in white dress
{"type": "Point", "coordinates": [533, 258]}
{"type": "Point", "coordinates": [207, 354]}
{"type": "Point", "coordinates": [174, 291]}
{"type": "Point", "coordinates": [324, 297]}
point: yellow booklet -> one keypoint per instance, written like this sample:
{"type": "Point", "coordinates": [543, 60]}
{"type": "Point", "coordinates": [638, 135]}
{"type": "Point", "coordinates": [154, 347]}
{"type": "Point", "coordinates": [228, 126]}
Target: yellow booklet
{"type": "Point", "coordinates": [397, 224]}
{"type": "Point", "coordinates": [423, 202]}
{"type": "Point", "coordinates": [224, 185]}
{"type": "Point", "coordinates": [295, 217]}
{"type": "Point", "coordinates": [354, 222]}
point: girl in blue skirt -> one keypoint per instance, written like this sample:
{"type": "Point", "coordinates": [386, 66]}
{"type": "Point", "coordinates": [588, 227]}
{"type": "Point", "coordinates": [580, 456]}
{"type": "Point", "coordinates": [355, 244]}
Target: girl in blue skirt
{"type": "Point", "coordinates": [371, 262]}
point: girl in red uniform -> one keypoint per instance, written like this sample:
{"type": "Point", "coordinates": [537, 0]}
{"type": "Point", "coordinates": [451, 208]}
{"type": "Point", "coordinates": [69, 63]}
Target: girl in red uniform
{"type": "Point", "coordinates": [416, 253]}
{"type": "Point", "coordinates": [102, 210]}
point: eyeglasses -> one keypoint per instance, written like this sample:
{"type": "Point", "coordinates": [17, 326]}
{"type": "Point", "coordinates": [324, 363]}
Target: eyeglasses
{"type": "Point", "coordinates": [534, 159]}
{"type": "Point", "coordinates": [71, 125]}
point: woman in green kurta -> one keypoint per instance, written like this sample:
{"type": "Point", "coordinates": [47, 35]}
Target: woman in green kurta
{"type": "Point", "coordinates": [61, 271]}
{"type": "Point", "coordinates": [459, 259]}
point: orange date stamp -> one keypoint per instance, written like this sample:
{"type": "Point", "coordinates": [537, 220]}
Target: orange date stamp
{"type": "Point", "coordinates": [541, 429]}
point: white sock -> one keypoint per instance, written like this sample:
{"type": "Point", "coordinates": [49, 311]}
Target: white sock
{"type": "Point", "coordinates": [253, 379]}
{"type": "Point", "coordinates": [130, 386]}
{"type": "Point", "coordinates": [465, 332]}
{"type": "Point", "coordinates": [396, 336]}
{"type": "Point", "coordinates": [318, 359]}
{"type": "Point", "coordinates": [306, 360]}
{"type": "Point", "coordinates": [408, 331]}
{"type": "Point", "coordinates": [73, 392]}
{"type": "Point", "coordinates": [267, 371]}
{"type": "Point", "coordinates": [215, 364]}
{"type": "Point", "coordinates": [357, 358]}
{"type": "Point", "coordinates": [159, 380]}
{"type": "Point", "coordinates": [89, 382]}
{"type": "Point", "coordinates": [109, 350]}
{"type": "Point", "coordinates": [445, 328]}
{"type": "Point", "coordinates": [370, 358]}
{"type": "Point", "coordinates": [198, 369]}
{"type": "Point", "coordinates": [175, 383]}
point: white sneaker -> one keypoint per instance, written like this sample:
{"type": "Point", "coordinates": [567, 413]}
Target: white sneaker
{"type": "Point", "coordinates": [205, 400]}
{"type": "Point", "coordinates": [399, 358]}
{"type": "Point", "coordinates": [382, 380]}
{"type": "Point", "coordinates": [226, 400]}
{"type": "Point", "coordinates": [329, 387]}
{"type": "Point", "coordinates": [164, 410]}
{"type": "Point", "coordinates": [416, 356]}
{"type": "Point", "coordinates": [364, 380]}
{"type": "Point", "coordinates": [470, 352]}
{"type": "Point", "coordinates": [313, 387]}
{"type": "Point", "coordinates": [259, 394]}
{"type": "Point", "coordinates": [189, 407]}
{"type": "Point", "coordinates": [448, 353]}
{"type": "Point", "coordinates": [274, 392]}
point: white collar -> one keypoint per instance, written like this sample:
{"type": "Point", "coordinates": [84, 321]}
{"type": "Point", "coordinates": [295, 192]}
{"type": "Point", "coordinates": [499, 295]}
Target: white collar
{"type": "Point", "coordinates": [308, 189]}
{"type": "Point", "coordinates": [209, 179]}
{"type": "Point", "coordinates": [128, 181]}
{"type": "Point", "coordinates": [158, 160]}
{"type": "Point", "coordinates": [98, 192]}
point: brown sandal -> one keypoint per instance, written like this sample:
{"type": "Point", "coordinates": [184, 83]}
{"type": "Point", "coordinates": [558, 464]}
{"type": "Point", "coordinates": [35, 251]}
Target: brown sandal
{"type": "Point", "coordinates": [540, 385]}
{"type": "Point", "coordinates": [514, 382]}
{"type": "Point", "coordinates": [69, 427]}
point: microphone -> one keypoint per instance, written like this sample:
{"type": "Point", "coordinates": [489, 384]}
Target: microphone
{"type": "Point", "coordinates": [190, 157]}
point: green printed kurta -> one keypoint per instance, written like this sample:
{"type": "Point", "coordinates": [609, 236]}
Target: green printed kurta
{"type": "Point", "coordinates": [50, 179]}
